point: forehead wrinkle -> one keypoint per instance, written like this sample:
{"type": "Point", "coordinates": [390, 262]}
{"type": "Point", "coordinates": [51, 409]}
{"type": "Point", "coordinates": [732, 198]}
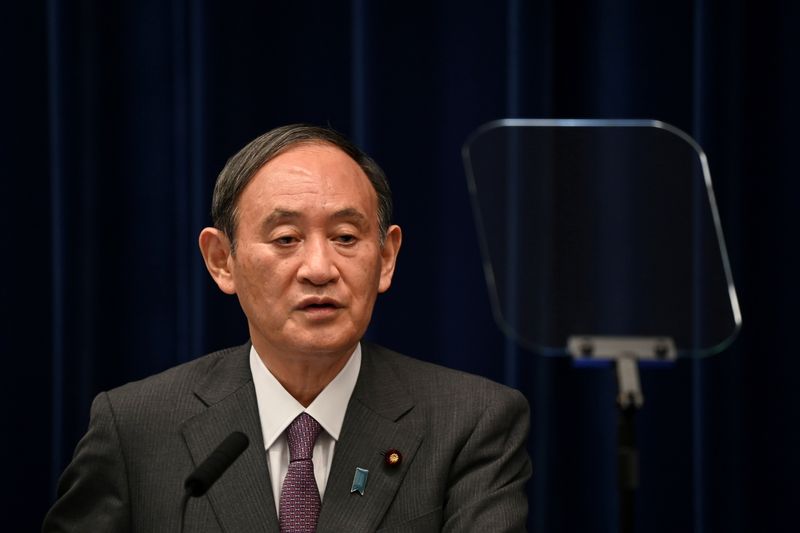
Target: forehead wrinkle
{"type": "Point", "coordinates": [281, 213]}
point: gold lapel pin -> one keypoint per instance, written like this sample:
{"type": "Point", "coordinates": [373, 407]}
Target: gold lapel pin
{"type": "Point", "coordinates": [392, 457]}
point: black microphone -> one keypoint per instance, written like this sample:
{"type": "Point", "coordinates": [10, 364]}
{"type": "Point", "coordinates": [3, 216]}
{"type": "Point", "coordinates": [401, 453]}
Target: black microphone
{"type": "Point", "coordinates": [215, 464]}
{"type": "Point", "coordinates": [213, 467]}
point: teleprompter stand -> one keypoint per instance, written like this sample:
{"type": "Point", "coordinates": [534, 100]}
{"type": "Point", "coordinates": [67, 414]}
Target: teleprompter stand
{"type": "Point", "coordinates": [625, 352]}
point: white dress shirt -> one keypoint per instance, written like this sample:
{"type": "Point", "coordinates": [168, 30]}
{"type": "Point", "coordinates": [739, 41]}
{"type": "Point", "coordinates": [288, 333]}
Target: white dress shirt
{"type": "Point", "coordinates": [277, 408]}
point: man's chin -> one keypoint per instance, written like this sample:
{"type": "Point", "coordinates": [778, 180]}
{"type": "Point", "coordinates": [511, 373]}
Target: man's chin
{"type": "Point", "coordinates": [298, 340]}
{"type": "Point", "coordinates": [323, 346]}
{"type": "Point", "coordinates": [327, 349]}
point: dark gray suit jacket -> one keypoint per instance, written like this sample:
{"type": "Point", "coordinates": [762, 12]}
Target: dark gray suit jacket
{"type": "Point", "coordinates": [462, 439]}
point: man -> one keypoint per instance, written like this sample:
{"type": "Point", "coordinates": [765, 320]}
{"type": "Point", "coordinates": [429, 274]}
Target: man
{"type": "Point", "coordinates": [302, 236]}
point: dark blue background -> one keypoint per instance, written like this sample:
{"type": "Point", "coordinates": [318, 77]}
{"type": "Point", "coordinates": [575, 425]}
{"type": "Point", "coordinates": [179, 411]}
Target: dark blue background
{"type": "Point", "coordinates": [117, 117]}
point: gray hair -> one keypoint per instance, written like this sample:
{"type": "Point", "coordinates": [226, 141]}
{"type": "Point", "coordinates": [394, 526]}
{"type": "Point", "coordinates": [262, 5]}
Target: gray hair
{"type": "Point", "coordinates": [241, 168]}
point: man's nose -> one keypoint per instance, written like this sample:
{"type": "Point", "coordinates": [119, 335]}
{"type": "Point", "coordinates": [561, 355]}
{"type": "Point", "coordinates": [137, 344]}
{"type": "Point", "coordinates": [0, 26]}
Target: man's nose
{"type": "Point", "coordinates": [318, 266]}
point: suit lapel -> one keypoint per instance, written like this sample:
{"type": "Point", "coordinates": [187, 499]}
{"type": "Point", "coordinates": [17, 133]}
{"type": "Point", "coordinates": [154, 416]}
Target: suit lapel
{"type": "Point", "coordinates": [242, 498]}
{"type": "Point", "coordinates": [371, 426]}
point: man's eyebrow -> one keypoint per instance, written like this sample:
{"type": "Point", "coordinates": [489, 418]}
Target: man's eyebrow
{"type": "Point", "coordinates": [280, 214]}
{"type": "Point", "coordinates": [351, 213]}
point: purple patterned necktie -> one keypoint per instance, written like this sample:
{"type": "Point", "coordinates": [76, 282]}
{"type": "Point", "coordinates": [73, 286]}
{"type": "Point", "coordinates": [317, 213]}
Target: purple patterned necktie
{"type": "Point", "coordinates": [300, 503]}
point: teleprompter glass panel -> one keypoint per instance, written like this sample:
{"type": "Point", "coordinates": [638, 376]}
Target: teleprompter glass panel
{"type": "Point", "coordinates": [600, 227]}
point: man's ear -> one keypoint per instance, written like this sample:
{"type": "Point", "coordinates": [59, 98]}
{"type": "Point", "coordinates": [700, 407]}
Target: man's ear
{"type": "Point", "coordinates": [216, 250]}
{"type": "Point", "coordinates": [391, 247]}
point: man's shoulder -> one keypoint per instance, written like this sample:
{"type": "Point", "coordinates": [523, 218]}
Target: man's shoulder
{"type": "Point", "coordinates": [184, 377]}
{"type": "Point", "coordinates": [426, 380]}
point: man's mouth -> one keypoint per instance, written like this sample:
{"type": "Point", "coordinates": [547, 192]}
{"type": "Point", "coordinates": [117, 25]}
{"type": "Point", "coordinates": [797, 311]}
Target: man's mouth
{"type": "Point", "coordinates": [318, 305]}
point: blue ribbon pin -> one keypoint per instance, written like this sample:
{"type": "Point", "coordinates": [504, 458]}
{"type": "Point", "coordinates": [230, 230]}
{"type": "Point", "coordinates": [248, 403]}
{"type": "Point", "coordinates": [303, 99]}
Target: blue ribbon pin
{"type": "Point", "coordinates": [359, 481]}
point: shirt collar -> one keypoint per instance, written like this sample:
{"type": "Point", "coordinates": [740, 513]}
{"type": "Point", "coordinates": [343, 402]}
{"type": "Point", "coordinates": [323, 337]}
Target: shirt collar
{"type": "Point", "coordinates": [277, 408]}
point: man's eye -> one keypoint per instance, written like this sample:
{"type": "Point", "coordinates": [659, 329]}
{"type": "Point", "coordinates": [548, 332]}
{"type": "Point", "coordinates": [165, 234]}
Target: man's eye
{"type": "Point", "coordinates": [346, 239]}
{"type": "Point", "coordinates": [285, 240]}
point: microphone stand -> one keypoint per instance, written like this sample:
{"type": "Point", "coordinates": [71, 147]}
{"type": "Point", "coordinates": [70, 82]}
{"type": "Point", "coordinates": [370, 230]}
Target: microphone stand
{"type": "Point", "coordinates": [184, 505]}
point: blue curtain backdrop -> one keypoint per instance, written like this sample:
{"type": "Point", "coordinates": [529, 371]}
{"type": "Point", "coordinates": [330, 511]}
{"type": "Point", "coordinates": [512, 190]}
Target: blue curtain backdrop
{"type": "Point", "coordinates": [117, 117]}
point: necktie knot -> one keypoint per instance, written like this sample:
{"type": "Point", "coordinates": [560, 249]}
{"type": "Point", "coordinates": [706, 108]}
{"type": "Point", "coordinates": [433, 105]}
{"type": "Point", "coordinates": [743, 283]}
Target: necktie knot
{"type": "Point", "coordinates": [301, 435]}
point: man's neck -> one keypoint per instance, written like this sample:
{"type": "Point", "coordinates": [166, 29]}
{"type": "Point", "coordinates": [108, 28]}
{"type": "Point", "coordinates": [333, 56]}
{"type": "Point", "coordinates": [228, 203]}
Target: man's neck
{"type": "Point", "coordinates": [303, 375]}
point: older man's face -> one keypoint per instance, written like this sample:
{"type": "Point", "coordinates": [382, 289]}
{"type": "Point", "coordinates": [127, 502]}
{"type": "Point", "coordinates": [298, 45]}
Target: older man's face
{"type": "Point", "coordinates": [308, 263]}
